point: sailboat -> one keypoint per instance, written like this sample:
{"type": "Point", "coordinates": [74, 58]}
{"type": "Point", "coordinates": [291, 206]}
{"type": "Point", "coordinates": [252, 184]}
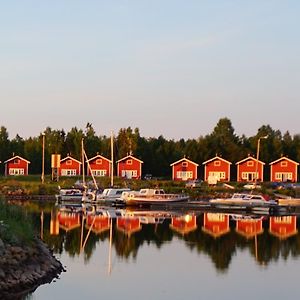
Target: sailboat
{"type": "Point", "coordinates": [74, 194]}
{"type": "Point", "coordinates": [109, 194]}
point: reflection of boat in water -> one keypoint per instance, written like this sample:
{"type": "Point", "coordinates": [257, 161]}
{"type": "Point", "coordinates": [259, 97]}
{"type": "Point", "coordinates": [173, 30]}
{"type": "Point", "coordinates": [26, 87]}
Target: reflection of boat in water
{"type": "Point", "coordinates": [255, 202]}
{"type": "Point", "coordinates": [151, 197]}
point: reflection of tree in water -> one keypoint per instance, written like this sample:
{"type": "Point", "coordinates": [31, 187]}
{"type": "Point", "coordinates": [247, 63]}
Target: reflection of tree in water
{"type": "Point", "coordinates": [127, 245]}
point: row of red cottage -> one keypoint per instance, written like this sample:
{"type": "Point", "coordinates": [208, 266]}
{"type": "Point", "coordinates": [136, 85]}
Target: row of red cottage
{"type": "Point", "coordinates": [282, 169]}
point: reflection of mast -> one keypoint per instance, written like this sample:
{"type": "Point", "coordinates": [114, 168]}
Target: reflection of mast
{"type": "Point", "coordinates": [42, 225]}
{"type": "Point", "coordinates": [83, 243]}
{"type": "Point", "coordinates": [110, 248]}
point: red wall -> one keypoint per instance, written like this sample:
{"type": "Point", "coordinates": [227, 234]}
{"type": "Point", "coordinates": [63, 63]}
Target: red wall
{"type": "Point", "coordinates": [21, 165]}
{"type": "Point", "coordinates": [105, 165]}
{"type": "Point", "coordinates": [73, 166]}
{"type": "Point", "coordinates": [190, 167]}
{"type": "Point", "coordinates": [291, 167]}
{"type": "Point", "coordinates": [223, 167]}
{"type": "Point", "coordinates": [136, 165]}
{"type": "Point", "coordinates": [242, 167]}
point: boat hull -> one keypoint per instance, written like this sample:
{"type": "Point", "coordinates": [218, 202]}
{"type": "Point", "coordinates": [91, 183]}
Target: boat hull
{"type": "Point", "coordinates": [138, 201]}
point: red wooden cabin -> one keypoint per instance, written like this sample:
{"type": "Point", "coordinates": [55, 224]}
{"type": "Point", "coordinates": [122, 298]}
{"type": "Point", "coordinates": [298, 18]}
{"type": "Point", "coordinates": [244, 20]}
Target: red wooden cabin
{"type": "Point", "coordinates": [184, 169]}
{"type": "Point", "coordinates": [218, 168]}
{"type": "Point", "coordinates": [69, 166]}
{"type": "Point", "coordinates": [129, 167]}
{"type": "Point", "coordinates": [16, 165]}
{"type": "Point", "coordinates": [248, 168]}
{"type": "Point", "coordinates": [284, 169]}
{"type": "Point", "coordinates": [99, 165]}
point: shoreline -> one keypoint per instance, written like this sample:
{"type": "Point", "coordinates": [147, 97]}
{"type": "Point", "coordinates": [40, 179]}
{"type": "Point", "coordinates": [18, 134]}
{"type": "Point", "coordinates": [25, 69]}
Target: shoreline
{"type": "Point", "coordinates": [24, 268]}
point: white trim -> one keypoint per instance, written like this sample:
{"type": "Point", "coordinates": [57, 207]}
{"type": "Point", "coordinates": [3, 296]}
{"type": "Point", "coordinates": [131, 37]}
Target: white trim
{"type": "Point", "coordinates": [180, 160]}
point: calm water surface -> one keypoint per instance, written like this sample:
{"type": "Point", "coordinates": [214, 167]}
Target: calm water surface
{"type": "Point", "coordinates": [125, 254]}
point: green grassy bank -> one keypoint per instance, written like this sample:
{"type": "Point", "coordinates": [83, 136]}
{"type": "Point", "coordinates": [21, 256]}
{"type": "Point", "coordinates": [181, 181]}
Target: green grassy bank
{"type": "Point", "coordinates": [32, 185]}
{"type": "Point", "coordinates": [15, 226]}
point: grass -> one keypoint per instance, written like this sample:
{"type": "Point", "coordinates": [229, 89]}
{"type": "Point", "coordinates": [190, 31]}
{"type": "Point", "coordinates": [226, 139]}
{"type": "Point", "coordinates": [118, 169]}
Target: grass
{"type": "Point", "coordinates": [15, 227]}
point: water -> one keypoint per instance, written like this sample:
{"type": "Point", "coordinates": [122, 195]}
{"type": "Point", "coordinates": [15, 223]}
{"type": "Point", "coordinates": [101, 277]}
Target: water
{"type": "Point", "coordinates": [170, 255]}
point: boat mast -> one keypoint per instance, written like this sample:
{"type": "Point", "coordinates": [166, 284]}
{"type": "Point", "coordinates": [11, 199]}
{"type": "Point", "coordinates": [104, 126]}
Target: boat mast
{"type": "Point", "coordinates": [112, 159]}
{"type": "Point", "coordinates": [82, 159]}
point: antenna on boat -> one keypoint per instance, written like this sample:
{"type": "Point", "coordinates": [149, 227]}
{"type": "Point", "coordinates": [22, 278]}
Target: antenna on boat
{"type": "Point", "coordinates": [112, 159]}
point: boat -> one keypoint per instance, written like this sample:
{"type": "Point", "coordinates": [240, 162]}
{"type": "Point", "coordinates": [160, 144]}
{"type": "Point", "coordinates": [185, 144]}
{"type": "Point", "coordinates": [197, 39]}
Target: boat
{"type": "Point", "coordinates": [69, 194]}
{"type": "Point", "coordinates": [151, 197]}
{"type": "Point", "coordinates": [244, 201]}
{"type": "Point", "coordinates": [108, 195]}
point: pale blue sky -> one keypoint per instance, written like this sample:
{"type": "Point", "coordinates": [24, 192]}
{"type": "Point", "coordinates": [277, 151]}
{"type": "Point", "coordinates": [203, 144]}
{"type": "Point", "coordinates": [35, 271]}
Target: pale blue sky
{"type": "Point", "coordinates": [168, 67]}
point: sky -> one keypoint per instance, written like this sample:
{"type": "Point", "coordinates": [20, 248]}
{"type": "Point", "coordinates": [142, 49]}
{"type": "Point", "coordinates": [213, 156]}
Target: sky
{"type": "Point", "coordinates": [170, 67]}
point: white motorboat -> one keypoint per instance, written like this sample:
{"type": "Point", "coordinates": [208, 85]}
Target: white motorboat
{"type": "Point", "coordinates": [244, 201]}
{"type": "Point", "coordinates": [151, 197]}
{"type": "Point", "coordinates": [69, 194]}
{"type": "Point", "coordinates": [108, 195]}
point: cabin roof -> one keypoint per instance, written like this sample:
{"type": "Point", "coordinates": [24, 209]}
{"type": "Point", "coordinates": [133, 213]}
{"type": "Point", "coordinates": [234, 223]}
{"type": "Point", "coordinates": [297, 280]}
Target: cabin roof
{"type": "Point", "coordinates": [17, 156]}
{"type": "Point", "coordinates": [249, 158]}
{"type": "Point", "coordinates": [71, 158]}
{"type": "Point", "coordinates": [183, 159]}
{"type": "Point", "coordinates": [215, 158]}
{"type": "Point", "coordinates": [98, 156]}
{"type": "Point", "coordinates": [284, 158]}
{"type": "Point", "coordinates": [130, 156]}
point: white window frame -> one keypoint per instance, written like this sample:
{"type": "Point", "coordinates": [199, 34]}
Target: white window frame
{"type": "Point", "coordinates": [129, 162]}
{"type": "Point", "coordinates": [184, 164]}
{"type": "Point", "coordinates": [99, 173]}
{"type": "Point", "coordinates": [250, 163]}
{"type": "Point", "coordinates": [283, 164]}
{"type": "Point", "coordinates": [217, 163]}
{"type": "Point", "coordinates": [16, 171]}
{"type": "Point", "coordinates": [69, 162]}
{"type": "Point", "coordinates": [68, 172]}
{"type": "Point", "coordinates": [99, 161]}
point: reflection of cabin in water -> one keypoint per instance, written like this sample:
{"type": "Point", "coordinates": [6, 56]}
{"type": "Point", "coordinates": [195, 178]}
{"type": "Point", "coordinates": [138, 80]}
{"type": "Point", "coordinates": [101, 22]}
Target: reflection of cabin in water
{"type": "Point", "coordinates": [68, 220]}
{"type": "Point", "coordinates": [184, 169]}
{"type": "Point", "coordinates": [129, 167]}
{"type": "Point", "coordinates": [99, 223]}
{"type": "Point", "coordinates": [216, 224]}
{"type": "Point", "coordinates": [249, 228]}
{"type": "Point", "coordinates": [128, 225]}
{"type": "Point", "coordinates": [184, 224]}
{"type": "Point", "coordinates": [283, 227]}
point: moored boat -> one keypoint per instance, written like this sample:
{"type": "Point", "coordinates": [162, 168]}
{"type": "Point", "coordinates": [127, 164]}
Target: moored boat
{"type": "Point", "coordinates": [108, 195]}
{"type": "Point", "coordinates": [244, 201]}
{"type": "Point", "coordinates": [151, 197]}
{"type": "Point", "coordinates": [69, 194]}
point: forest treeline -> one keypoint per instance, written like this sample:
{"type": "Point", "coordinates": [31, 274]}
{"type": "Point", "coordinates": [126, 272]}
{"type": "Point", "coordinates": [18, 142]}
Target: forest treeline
{"type": "Point", "coordinates": [156, 152]}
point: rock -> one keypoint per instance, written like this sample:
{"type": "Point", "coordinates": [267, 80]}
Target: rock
{"type": "Point", "coordinates": [2, 274]}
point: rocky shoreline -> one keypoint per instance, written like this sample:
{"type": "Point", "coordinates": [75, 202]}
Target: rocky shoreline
{"type": "Point", "coordinates": [24, 268]}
